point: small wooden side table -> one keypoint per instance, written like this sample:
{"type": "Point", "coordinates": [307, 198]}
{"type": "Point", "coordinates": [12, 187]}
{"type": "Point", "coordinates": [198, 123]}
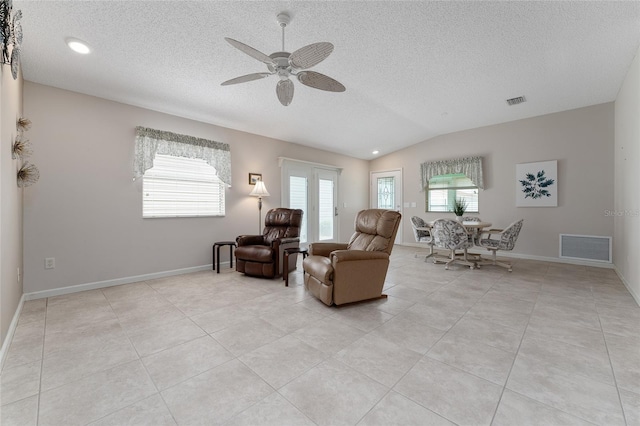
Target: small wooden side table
{"type": "Point", "coordinates": [285, 261]}
{"type": "Point", "coordinates": [216, 250]}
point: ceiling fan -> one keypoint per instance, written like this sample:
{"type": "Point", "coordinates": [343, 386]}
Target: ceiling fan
{"type": "Point", "coordinates": [285, 64]}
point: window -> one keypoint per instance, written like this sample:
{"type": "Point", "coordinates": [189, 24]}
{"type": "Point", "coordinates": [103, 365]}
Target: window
{"type": "Point", "coordinates": [181, 187]}
{"type": "Point", "coordinates": [443, 190]}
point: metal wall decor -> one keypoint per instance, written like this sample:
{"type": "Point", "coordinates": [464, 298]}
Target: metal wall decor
{"type": "Point", "coordinates": [10, 35]}
{"type": "Point", "coordinates": [21, 148]}
{"type": "Point", "coordinates": [28, 174]}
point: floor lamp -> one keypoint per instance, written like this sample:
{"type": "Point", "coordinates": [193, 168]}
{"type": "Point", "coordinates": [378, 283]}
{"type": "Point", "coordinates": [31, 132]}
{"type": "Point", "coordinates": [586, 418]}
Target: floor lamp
{"type": "Point", "coordinates": [259, 191]}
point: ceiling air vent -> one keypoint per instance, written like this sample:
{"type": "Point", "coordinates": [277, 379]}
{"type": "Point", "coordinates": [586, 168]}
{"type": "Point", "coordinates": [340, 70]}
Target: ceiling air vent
{"type": "Point", "coordinates": [516, 101]}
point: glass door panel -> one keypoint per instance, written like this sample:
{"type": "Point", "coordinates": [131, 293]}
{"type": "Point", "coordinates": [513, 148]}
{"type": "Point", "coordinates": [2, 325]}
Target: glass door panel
{"type": "Point", "coordinates": [386, 193]}
{"type": "Point", "coordinates": [326, 209]}
{"type": "Point", "coordinates": [298, 200]}
{"type": "Point", "coordinates": [315, 191]}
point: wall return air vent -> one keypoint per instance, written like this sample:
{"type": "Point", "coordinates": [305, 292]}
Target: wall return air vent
{"type": "Point", "coordinates": [585, 247]}
{"type": "Point", "coordinates": [516, 101]}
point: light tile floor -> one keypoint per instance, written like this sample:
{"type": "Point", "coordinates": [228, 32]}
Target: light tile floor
{"type": "Point", "coordinates": [548, 344]}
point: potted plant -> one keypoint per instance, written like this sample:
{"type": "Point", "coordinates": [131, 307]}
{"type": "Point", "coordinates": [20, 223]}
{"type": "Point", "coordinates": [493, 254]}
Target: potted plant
{"type": "Point", "coordinates": [459, 207]}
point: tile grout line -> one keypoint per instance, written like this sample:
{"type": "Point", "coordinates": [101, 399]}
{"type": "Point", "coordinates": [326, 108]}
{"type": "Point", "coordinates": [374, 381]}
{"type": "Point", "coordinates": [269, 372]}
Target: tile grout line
{"type": "Point", "coordinates": [526, 396]}
{"type": "Point", "coordinates": [44, 336]}
{"type": "Point", "coordinates": [425, 355]}
{"type": "Point", "coordinates": [524, 332]}
{"type": "Point", "coordinates": [613, 372]}
{"type": "Point", "coordinates": [139, 360]}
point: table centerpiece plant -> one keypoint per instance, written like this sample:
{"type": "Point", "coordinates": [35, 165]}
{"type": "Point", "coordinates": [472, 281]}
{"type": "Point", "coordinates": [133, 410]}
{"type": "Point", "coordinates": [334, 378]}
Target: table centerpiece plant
{"type": "Point", "coordinates": [459, 207]}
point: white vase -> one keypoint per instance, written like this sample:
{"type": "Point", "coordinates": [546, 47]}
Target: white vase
{"type": "Point", "coordinates": [459, 219]}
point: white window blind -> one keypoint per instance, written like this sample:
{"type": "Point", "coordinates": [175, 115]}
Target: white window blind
{"type": "Point", "coordinates": [182, 187]}
{"type": "Point", "coordinates": [443, 190]}
{"type": "Point", "coordinates": [298, 200]}
{"type": "Point", "coordinates": [326, 209]}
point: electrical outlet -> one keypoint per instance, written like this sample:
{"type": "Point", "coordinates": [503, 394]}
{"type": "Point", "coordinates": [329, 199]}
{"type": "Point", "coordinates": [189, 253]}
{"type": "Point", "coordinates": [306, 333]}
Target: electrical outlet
{"type": "Point", "coordinates": [50, 263]}
{"type": "Point", "coordinates": [18, 275]}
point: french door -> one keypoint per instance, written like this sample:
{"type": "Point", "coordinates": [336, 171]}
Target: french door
{"type": "Point", "coordinates": [314, 190]}
{"type": "Point", "coordinates": [386, 193]}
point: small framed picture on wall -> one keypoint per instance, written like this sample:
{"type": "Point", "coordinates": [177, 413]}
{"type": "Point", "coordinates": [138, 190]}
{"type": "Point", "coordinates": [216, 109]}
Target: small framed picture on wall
{"type": "Point", "coordinates": [537, 184]}
{"type": "Point", "coordinates": [254, 177]}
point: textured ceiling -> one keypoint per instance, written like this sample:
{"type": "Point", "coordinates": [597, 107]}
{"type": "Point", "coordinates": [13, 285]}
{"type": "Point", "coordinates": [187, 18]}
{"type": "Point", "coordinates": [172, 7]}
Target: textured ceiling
{"type": "Point", "coordinates": [413, 70]}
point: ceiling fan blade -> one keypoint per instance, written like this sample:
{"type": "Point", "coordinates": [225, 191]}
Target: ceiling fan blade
{"type": "Point", "coordinates": [245, 78]}
{"type": "Point", "coordinates": [310, 55]}
{"type": "Point", "coordinates": [284, 90]}
{"type": "Point", "coordinates": [256, 54]}
{"type": "Point", "coordinates": [320, 81]}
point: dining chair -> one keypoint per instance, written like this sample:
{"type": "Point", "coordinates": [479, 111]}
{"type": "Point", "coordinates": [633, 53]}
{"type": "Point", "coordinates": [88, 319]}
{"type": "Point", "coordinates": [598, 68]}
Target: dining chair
{"type": "Point", "coordinates": [505, 239]}
{"type": "Point", "coordinates": [421, 234]}
{"type": "Point", "coordinates": [451, 235]}
{"type": "Point", "coordinates": [473, 235]}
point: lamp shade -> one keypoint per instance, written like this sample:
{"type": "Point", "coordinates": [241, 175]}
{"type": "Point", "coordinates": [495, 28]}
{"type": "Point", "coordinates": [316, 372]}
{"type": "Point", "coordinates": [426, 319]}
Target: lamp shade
{"type": "Point", "coordinates": [259, 190]}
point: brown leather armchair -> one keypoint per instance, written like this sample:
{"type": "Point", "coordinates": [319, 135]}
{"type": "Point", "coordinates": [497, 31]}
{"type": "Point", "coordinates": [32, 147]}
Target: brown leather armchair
{"type": "Point", "coordinates": [343, 273]}
{"type": "Point", "coordinates": [260, 255]}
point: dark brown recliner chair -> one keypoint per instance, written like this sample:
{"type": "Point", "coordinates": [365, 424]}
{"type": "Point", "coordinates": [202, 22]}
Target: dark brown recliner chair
{"type": "Point", "coordinates": [344, 273]}
{"type": "Point", "coordinates": [261, 255]}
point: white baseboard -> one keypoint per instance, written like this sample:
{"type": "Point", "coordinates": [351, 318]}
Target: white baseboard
{"type": "Point", "coordinates": [531, 257]}
{"type": "Point", "coordinates": [11, 331]}
{"type": "Point", "coordinates": [635, 295]}
{"type": "Point", "coordinates": [118, 281]}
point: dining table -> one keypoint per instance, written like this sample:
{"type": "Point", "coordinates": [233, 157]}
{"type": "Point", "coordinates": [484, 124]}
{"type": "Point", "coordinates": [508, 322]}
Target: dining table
{"type": "Point", "coordinates": [474, 228]}
{"type": "Point", "coordinates": [469, 225]}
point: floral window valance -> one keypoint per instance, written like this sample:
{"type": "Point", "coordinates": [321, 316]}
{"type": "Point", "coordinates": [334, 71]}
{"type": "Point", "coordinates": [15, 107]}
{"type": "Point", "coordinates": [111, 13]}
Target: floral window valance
{"type": "Point", "coordinates": [469, 166]}
{"type": "Point", "coordinates": [150, 142]}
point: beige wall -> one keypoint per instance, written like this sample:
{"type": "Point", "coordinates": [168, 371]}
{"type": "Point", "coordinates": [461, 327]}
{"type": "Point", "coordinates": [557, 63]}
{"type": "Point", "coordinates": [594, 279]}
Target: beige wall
{"type": "Point", "coordinates": [627, 176]}
{"type": "Point", "coordinates": [582, 142]}
{"type": "Point", "coordinates": [86, 211]}
{"type": "Point", "coordinates": [10, 203]}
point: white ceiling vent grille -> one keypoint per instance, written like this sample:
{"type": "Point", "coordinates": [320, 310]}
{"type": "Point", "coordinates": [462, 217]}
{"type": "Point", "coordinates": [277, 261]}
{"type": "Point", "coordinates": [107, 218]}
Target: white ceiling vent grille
{"type": "Point", "coordinates": [585, 247]}
{"type": "Point", "coordinates": [516, 101]}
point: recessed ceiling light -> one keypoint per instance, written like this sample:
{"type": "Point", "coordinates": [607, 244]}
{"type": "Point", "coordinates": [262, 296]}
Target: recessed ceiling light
{"type": "Point", "coordinates": [376, 152]}
{"type": "Point", "coordinates": [78, 46]}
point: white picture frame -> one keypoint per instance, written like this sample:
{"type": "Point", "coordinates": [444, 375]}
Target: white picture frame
{"type": "Point", "coordinates": [537, 184]}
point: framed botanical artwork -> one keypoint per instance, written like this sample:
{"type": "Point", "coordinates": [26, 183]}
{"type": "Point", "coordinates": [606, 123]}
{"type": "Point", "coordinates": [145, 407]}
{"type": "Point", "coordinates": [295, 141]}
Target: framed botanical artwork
{"type": "Point", "coordinates": [537, 184]}
{"type": "Point", "coordinates": [254, 177]}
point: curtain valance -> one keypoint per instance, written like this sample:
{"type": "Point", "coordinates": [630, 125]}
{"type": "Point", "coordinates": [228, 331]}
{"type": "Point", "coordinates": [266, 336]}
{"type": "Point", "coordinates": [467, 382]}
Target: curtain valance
{"type": "Point", "coordinates": [469, 166]}
{"type": "Point", "coordinates": [150, 142]}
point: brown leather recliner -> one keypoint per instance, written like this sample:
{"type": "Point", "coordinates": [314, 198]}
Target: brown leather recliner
{"type": "Point", "coordinates": [343, 273]}
{"type": "Point", "coordinates": [261, 255]}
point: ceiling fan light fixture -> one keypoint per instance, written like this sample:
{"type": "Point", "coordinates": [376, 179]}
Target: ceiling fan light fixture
{"type": "Point", "coordinates": [284, 90]}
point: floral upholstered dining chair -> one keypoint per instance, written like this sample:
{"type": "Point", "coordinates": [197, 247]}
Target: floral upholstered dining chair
{"type": "Point", "coordinates": [451, 235]}
{"type": "Point", "coordinates": [505, 239]}
{"type": "Point", "coordinates": [421, 234]}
